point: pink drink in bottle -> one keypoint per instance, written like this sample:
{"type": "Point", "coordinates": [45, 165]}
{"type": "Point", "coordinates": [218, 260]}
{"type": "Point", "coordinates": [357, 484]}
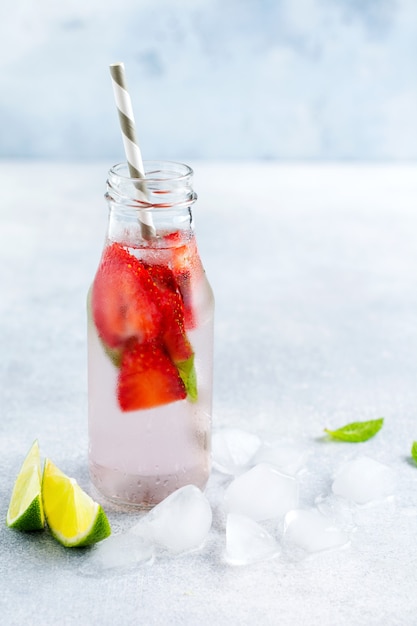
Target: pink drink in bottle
{"type": "Point", "coordinates": [150, 344]}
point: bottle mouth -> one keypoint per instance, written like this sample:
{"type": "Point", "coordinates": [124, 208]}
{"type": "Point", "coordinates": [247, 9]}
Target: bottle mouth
{"type": "Point", "coordinates": [166, 184]}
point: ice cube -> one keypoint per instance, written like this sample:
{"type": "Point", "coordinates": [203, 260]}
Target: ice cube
{"type": "Point", "coordinates": [363, 480]}
{"type": "Point", "coordinates": [233, 449]}
{"type": "Point", "coordinates": [117, 553]}
{"type": "Point", "coordinates": [247, 542]}
{"type": "Point", "coordinates": [312, 532]}
{"type": "Point", "coordinates": [178, 524]}
{"type": "Point", "coordinates": [341, 511]}
{"type": "Point", "coordinates": [287, 457]}
{"type": "Point", "coordinates": [261, 493]}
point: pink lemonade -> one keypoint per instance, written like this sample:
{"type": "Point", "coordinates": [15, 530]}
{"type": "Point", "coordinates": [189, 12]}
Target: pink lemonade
{"type": "Point", "coordinates": [150, 352]}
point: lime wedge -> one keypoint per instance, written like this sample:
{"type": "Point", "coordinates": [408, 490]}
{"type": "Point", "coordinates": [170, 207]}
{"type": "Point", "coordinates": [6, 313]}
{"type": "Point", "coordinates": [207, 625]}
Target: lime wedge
{"type": "Point", "coordinates": [73, 517]}
{"type": "Point", "coordinates": [25, 509]}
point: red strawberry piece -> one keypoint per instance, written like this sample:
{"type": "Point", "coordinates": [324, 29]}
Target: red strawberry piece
{"type": "Point", "coordinates": [174, 336]}
{"type": "Point", "coordinates": [171, 305]}
{"type": "Point", "coordinates": [184, 282]}
{"type": "Point", "coordinates": [148, 378]}
{"type": "Point", "coordinates": [163, 277]}
{"type": "Point", "coordinates": [122, 299]}
{"type": "Point", "coordinates": [185, 264]}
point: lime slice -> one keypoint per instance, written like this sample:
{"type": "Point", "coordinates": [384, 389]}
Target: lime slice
{"type": "Point", "coordinates": [73, 517]}
{"type": "Point", "coordinates": [25, 509]}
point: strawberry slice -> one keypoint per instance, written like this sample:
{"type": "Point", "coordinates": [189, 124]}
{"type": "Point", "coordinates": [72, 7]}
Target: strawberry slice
{"type": "Point", "coordinates": [185, 265]}
{"type": "Point", "coordinates": [148, 378]}
{"type": "Point", "coordinates": [171, 305]}
{"type": "Point", "coordinates": [123, 299]}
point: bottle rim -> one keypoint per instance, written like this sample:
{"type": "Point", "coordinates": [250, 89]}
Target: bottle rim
{"type": "Point", "coordinates": [166, 184]}
{"type": "Point", "coordinates": [155, 171]}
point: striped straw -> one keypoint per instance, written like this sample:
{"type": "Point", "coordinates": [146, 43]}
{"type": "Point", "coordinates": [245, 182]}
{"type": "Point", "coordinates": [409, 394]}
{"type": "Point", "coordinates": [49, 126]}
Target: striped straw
{"type": "Point", "coordinates": [131, 146]}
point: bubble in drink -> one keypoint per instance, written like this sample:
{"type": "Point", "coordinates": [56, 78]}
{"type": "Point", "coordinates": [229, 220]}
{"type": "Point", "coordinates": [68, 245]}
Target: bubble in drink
{"type": "Point", "coordinates": [262, 493]}
{"type": "Point", "coordinates": [363, 480]}
{"type": "Point", "coordinates": [247, 542]}
{"type": "Point", "coordinates": [312, 532]}
{"type": "Point", "coordinates": [233, 449]}
{"type": "Point", "coordinates": [178, 524]}
{"type": "Point", "coordinates": [289, 458]}
{"type": "Point", "coordinates": [117, 553]}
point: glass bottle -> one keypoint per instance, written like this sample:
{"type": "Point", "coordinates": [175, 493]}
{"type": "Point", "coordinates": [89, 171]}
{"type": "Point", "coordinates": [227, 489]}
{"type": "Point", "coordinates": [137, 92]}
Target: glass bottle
{"type": "Point", "coordinates": [150, 342]}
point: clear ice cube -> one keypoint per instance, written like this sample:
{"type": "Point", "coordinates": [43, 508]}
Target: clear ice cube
{"type": "Point", "coordinates": [341, 511]}
{"type": "Point", "coordinates": [178, 524]}
{"type": "Point", "coordinates": [233, 449]}
{"type": "Point", "coordinates": [117, 553]}
{"type": "Point", "coordinates": [363, 480]}
{"type": "Point", "coordinates": [286, 456]}
{"type": "Point", "coordinates": [247, 542]}
{"type": "Point", "coordinates": [261, 493]}
{"type": "Point", "coordinates": [311, 531]}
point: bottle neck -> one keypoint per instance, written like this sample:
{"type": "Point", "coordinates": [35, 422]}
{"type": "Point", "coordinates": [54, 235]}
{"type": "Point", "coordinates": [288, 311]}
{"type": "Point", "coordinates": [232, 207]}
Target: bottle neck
{"type": "Point", "coordinates": [164, 198]}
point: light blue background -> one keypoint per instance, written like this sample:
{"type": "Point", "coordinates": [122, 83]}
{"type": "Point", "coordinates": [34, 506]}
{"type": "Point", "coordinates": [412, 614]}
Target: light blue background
{"type": "Point", "coordinates": [216, 79]}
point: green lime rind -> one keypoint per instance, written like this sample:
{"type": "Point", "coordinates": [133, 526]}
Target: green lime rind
{"type": "Point", "coordinates": [73, 517]}
{"type": "Point", "coordinates": [414, 451]}
{"type": "Point", "coordinates": [100, 529]}
{"type": "Point", "coordinates": [356, 432]}
{"type": "Point", "coordinates": [188, 376]}
{"type": "Point", "coordinates": [25, 510]}
{"type": "Point", "coordinates": [31, 519]}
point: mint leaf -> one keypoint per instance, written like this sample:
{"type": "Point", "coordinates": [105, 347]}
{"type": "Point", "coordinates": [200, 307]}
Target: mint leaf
{"type": "Point", "coordinates": [188, 375]}
{"type": "Point", "coordinates": [114, 354]}
{"type": "Point", "coordinates": [414, 451]}
{"type": "Point", "coordinates": [357, 431]}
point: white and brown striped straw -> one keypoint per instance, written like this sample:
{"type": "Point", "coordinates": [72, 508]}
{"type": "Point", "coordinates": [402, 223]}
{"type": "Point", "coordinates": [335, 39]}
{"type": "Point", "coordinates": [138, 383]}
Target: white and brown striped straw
{"type": "Point", "coordinates": [131, 146]}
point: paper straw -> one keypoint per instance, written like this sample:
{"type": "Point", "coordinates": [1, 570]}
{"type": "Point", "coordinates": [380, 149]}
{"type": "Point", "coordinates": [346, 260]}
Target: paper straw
{"type": "Point", "coordinates": [131, 146]}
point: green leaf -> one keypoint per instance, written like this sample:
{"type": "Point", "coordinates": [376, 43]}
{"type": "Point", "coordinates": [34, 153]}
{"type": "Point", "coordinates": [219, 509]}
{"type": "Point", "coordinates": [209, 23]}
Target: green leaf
{"type": "Point", "coordinates": [114, 354]}
{"type": "Point", "coordinates": [414, 451]}
{"type": "Point", "coordinates": [357, 431]}
{"type": "Point", "coordinates": [188, 375]}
